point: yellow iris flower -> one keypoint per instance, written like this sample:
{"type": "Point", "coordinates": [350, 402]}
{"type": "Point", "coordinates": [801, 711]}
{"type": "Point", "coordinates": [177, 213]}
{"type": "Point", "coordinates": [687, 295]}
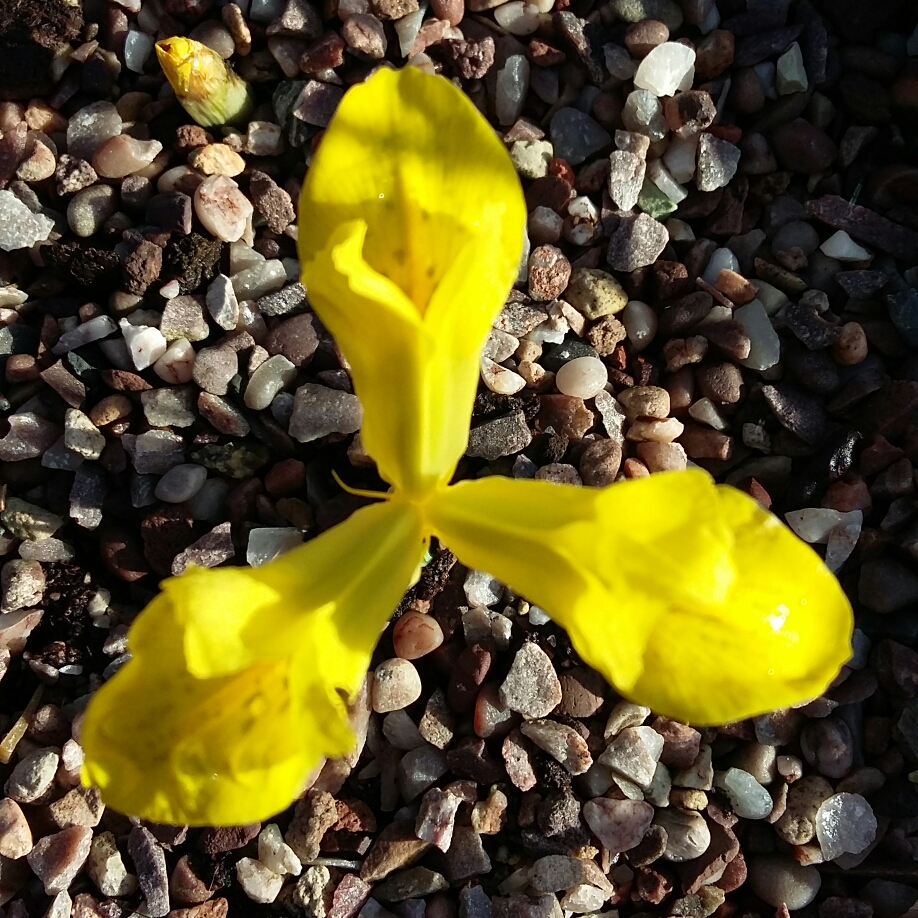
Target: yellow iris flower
{"type": "Point", "coordinates": [686, 596]}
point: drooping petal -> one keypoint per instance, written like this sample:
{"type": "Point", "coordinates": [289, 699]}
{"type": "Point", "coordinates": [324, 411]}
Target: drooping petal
{"type": "Point", "coordinates": [687, 596]}
{"type": "Point", "coordinates": [411, 227]}
{"type": "Point", "coordinates": [166, 746]}
{"type": "Point", "coordinates": [232, 694]}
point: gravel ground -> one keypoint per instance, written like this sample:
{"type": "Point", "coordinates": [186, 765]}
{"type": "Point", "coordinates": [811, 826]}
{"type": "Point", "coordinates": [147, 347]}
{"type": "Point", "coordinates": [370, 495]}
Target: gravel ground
{"type": "Point", "coordinates": [726, 278]}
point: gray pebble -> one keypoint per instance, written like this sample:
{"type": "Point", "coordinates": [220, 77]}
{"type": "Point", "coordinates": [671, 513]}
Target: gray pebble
{"type": "Point", "coordinates": [214, 367]}
{"type": "Point", "coordinates": [181, 483]}
{"type": "Point", "coordinates": [90, 208]}
{"type": "Point", "coordinates": [780, 881]}
{"type": "Point", "coordinates": [532, 687]}
{"type": "Point", "coordinates": [150, 861]}
{"type": "Point", "coordinates": [32, 776]}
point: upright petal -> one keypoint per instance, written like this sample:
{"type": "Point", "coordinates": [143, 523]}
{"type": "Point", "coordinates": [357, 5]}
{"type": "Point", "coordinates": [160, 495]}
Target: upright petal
{"type": "Point", "coordinates": [233, 692]}
{"type": "Point", "coordinates": [687, 596]}
{"type": "Point", "coordinates": [411, 227]}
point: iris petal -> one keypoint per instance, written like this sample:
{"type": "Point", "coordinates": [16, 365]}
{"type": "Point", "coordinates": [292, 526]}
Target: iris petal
{"type": "Point", "coordinates": [411, 227]}
{"type": "Point", "coordinates": [688, 597]}
{"type": "Point", "coordinates": [166, 746]}
{"type": "Point", "coordinates": [232, 694]}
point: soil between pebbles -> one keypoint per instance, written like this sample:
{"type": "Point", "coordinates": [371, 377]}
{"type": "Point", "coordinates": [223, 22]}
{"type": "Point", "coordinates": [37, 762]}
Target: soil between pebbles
{"type": "Point", "coordinates": [169, 398]}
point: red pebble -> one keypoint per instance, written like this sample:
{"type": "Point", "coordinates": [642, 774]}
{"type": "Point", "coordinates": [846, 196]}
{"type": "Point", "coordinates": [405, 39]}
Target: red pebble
{"type": "Point", "coordinates": [562, 169]}
{"type": "Point", "coordinates": [415, 635]}
{"type": "Point", "coordinates": [287, 477]}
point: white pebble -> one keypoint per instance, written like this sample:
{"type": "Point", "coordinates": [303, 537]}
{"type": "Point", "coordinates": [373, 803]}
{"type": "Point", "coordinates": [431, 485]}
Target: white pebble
{"type": "Point", "coordinates": [720, 259]}
{"type": "Point", "coordinates": [669, 68]}
{"type": "Point", "coordinates": [679, 159]}
{"type": "Point", "coordinates": [845, 824]}
{"type": "Point", "coordinates": [842, 247]}
{"type": "Point", "coordinates": [481, 589]}
{"type": "Point", "coordinates": [176, 365]}
{"type": "Point", "coordinates": [396, 684]}
{"type": "Point", "coordinates": [81, 436]}
{"type": "Point", "coordinates": [582, 377]}
{"type": "Point", "coordinates": [19, 227]}
{"type": "Point", "coordinates": [747, 797]}
{"type": "Point", "coordinates": [764, 343]}
{"type": "Point", "coordinates": [517, 17]}
{"type": "Point", "coordinates": [270, 377]}
{"type": "Point", "coordinates": [813, 524]}
{"type": "Point", "coordinates": [665, 181]}
{"type": "Point", "coordinates": [512, 85]}
{"type": "Point", "coordinates": [137, 49]}
{"type": "Point", "coordinates": [145, 343]}
{"type": "Point", "coordinates": [791, 73]}
{"type": "Point", "coordinates": [499, 379]}
{"type": "Point", "coordinates": [260, 279]}
{"type": "Point", "coordinates": [275, 853]}
{"type": "Point", "coordinates": [258, 882]}
{"type": "Point", "coordinates": [705, 412]}
{"type": "Point", "coordinates": [269, 542]}
{"type": "Point", "coordinates": [641, 323]}
{"type": "Point", "coordinates": [93, 330]}
{"type": "Point", "coordinates": [222, 303]}
{"type": "Point", "coordinates": [171, 290]}
{"type": "Point", "coordinates": [222, 208]}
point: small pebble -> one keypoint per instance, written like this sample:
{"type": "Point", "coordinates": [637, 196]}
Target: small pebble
{"type": "Point", "coordinates": [620, 825]}
{"type": "Point", "coordinates": [562, 743]}
{"type": "Point", "coordinates": [33, 775]}
{"type": "Point", "coordinates": [582, 377]}
{"type": "Point", "coordinates": [258, 882]}
{"type": "Point", "coordinates": [396, 684]}
{"type": "Point", "coordinates": [532, 687]}
{"type": "Point", "coordinates": [415, 635]}
{"type": "Point", "coordinates": [15, 833]}
{"type": "Point", "coordinates": [124, 155]}
{"type": "Point", "coordinates": [216, 159]}
{"type": "Point", "coordinates": [152, 877]}
{"type": "Point", "coordinates": [56, 859]}
{"type": "Point", "coordinates": [779, 881]}
{"type": "Point", "coordinates": [845, 824]}
{"type": "Point", "coordinates": [90, 208]}
{"type": "Point", "coordinates": [180, 483]}
{"type": "Point", "coordinates": [222, 208]}
{"type": "Point", "coordinates": [747, 797]}
{"type": "Point", "coordinates": [687, 834]}
{"type": "Point", "coordinates": [106, 869]}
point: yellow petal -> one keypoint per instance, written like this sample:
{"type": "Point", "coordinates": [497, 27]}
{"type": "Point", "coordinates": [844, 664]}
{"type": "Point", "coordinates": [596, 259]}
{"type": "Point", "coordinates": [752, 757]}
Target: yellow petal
{"type": "Point", "coordinates": [231, 696]}
{"type": "Point", "coordinates": [234, 749]}
{"type": "Point", "coordinates": [780, 637]}
{"type": "Point", "coordinates": [411, 228]}
{"type": "Point", "coordinates": [687, 596]}
{"type": "Point", "coordinates": [339, 588]}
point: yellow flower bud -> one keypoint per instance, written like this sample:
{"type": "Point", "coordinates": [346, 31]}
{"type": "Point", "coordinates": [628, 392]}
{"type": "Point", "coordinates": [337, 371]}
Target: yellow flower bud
{"type": "Point", "coordinates": [209, 90]}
